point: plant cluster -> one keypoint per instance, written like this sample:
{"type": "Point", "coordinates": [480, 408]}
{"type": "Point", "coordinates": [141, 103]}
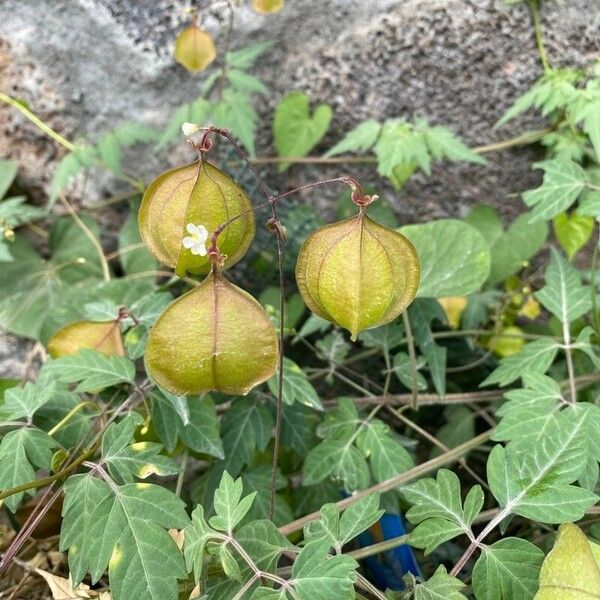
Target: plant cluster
{"type": "Point", "coordinates": [204, 443]}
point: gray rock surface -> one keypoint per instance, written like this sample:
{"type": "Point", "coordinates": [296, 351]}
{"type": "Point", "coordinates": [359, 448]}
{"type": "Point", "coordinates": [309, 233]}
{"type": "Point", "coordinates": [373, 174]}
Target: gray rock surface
{"type": "Point", "coordinates": [86, 65]}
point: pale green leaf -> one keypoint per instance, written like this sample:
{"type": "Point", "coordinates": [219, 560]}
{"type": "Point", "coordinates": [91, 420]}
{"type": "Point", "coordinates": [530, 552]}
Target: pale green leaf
{"type": "Point", "coordinates": [359, 139]}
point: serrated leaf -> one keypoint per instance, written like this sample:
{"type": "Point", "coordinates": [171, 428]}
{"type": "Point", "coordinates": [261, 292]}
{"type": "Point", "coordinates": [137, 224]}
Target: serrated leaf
{"type": "Point", "coordinates": [246, 427]}
{"type": "Point", "coordinates": [125, 529]}
{"type": "Point", "coordinates": [296, 131]}
{"type": "Point", "coordinates": [398, 146]}
{"type": "Point", "coordinates": [359, 139]}
{"type": "Point", "coordinates": [563, 181]}
{"type": "Point", "coordinates": [8, 172]}
{"type": "Point", "coordinates": [134, 256]}
{"type": "Point", "coordinates": [92, 370]}
{"type": "Point", "coordinates": [258, 480]}
{"type": "Point", "coordinates": [235, 112]}
{"type": "Point", "coordinates": [246, 57]}
{"type": "Point", "coordinates": [230, 507]}
{"type": "Point", "coordinates": [24, 401]}
{"type": "Point", "coordinates": [454, 257]}
{"type": "Point", "coordinates": [536, 357]}
{"type": "Point", "coordinates": [442, 143]}
{"type": "Point", "coordinates": [22, 451]}
{"type": "Point", "coordinates": [439, 499]}
{"type": "Point", "coordinates": [440, 586]}
{"type": "Point", "coordinates": [387, 457]}
{"type": "Point", "coordinates": [67, 168]}
{"type": "Point", "coordinates": [202, 432]}
{"type": "Point", "coordinates": [244, 82]}
{"type": "Point", "coordinates": [340, 460]}
{"type": "Point", "coordinates": [110, 153]}
{"type": "Point", "coordinates": [564, 295]}
{"type": "Point", "coordinates": [263, 542]}
{"type": "Point", "coordinates": [296, 386]}
{"type": "Point", "coordinates": [532, 479]}
{"type": "Point", "coordinates": [317, 574]}
{"type": "Point", "coordinates": [197, 535]}
{"type": "Point", "coordinates": [507, 570]}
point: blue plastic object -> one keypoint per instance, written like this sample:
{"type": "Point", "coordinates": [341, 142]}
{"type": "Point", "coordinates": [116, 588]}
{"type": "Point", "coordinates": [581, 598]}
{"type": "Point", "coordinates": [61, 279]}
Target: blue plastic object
{"type": "Point", "coordinates": [386, 570]}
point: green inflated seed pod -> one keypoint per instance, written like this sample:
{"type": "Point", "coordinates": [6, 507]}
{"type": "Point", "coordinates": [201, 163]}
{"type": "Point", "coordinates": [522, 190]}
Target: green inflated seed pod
{"type": "Point", "coordinates": [215, 337]}
{"type": "Point", "coordinates": [195, 196]}
{"type": "Point", "coordinates": [357, 273]}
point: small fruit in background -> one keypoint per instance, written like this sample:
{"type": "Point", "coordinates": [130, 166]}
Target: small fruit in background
{"type": "Point", "coordinates": [508, 342]}
{"type": "Point", "coordinates": [454, 307]}
{"type": "Point", "coordinates": [267, 6]}
{"type": "Point", "coordinates": [195, 49]}
{"type": "Point", "coordinates": [530, 308]}
{"type": "Point", "coordinates": [357, 273]}
{"type": "Point", "coordinates": [103, 337]}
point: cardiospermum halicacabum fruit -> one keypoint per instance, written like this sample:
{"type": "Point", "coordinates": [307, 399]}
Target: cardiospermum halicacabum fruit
{"type": "Point", "coordinates": [191, 202]}
{"type": "Point", "coordinates": [357, 273]}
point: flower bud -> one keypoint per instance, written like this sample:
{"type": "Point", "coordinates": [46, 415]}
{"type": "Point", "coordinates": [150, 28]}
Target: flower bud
{"type": "Point", "coordinates": [215, 337]}
{"type": "Point", "coordinates": [357, 273]}
{"type": "Point", "coordinates": [197, 196]}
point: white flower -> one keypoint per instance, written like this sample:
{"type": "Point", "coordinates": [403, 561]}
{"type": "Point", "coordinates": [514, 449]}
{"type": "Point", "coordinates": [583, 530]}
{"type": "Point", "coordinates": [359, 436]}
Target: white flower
{"type": "Point", "coordinates": [196, 241]}
{"type": "Point", "coordinates": [189, 129]}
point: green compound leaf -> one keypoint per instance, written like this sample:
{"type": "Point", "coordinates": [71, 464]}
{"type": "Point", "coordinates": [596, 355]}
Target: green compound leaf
{"type": "Point", "coordinates": [454, 257]}
{"type": "Point", "coordinates": [438, 510]}
{"type": "Point", "coordinates": [296, 386]}
{"type": "Point", "coordinates": [22, 451]}
{"type": "Point", "coordinates": [535, 357]}
{"type": "Point", "coordinates": [230, 507]}
{"type": "Point", "coordinates": [124, 528]}
{"type": "Point", "coordinates": [359, 139]}
{"type": "Point", "coordinates": [563, 181]}
{"type": "Point", "coordinates": [564, 295]}
{"type": "Point", "coordinates": [317, 574]}
{"type": "Point", "coordinates": [92, 370]}
{"type": "Point", "coordinates": [507, 570]}
{"type": "Point", "coordinates": [126, 461]}
{"type": "Point", "coordinates": [440, 586]}
{"type": "Point", "coordinates": [532, 479]}
{"type": "Point", "coordinates": [296, 131]}
{"type": "Point", "coordinates": [23, 402]}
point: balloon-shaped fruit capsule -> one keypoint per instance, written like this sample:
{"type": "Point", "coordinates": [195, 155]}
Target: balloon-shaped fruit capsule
{"type": "Point", "coordinates": [215, 337]}
{"type": "Point", "coordinates": [182, 208]}
{"type": "Point", "coordinates": [104, 337]}
{"type": "Point", "coordinates": [357, 273]}
{"type": "Point", "coordinates": [267, 6]}
{"type": "Point", "coordinates": [195, 49]}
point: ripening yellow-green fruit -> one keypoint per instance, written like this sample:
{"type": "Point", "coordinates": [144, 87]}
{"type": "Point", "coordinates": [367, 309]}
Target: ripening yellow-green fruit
{"type": "Point", "coordinates": [357, 273]}
{"type": "Point", "coordinates": [195, 49]}
{"type": "Point", "coordinates": [215, 337]}
{"type": "Point", "coordinates": [104, 337]}
{"type": "Point", "coordinates": [183, 207]}
{"type": "Point", "coordinates": [267, 6]}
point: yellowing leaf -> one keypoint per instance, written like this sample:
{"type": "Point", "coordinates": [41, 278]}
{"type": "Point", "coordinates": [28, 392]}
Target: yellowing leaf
{"type": "Point", "coordinates": [103, 337]}
{"type": "Point", "coordinates": [573, 231]}
{"type": "Point", "coordinates": [215, 337]}
{"type": "Point", "coordinates": [61, 588]}
{"type": "Point", "coordinates": [570, 571]}
{"type": "Point", "coordinates": [357, 273]}
{"type": "Point", "coordinates": [195, 49]}
{"type": "Point", "coordinates": [197, 194]}
{"type": "Point", "coordinates": [267, 6]}
{"type": "Point", "coordinates": [454, 307]}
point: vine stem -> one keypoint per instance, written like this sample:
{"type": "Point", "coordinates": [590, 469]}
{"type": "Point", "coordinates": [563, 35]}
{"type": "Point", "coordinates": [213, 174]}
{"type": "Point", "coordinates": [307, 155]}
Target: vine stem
{"type": "Point", "coordinates": [412, 355]}
{"type": "Point", "coordinates": [38, 122]}
{"type": "Point", "coordinates": [394, 482]}
{"type": "Point", "coordinates": [534, 7]}
{"type": "Point", "coordinates": [90, 236]}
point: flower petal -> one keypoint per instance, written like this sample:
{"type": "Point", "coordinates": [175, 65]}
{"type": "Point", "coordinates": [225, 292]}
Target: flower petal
{"type": "Point", "coordinates": [202, 233]}
{"type": "Point", "coordinates": [192, 229]}
{"type": "Point", "coordinates": [188, 242]}
{"type": "Point", "coordinates": [199, 250]}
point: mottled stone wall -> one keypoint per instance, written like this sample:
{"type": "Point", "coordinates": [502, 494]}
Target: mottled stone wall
{"type": "Point", "coordinates": [86, 65]}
